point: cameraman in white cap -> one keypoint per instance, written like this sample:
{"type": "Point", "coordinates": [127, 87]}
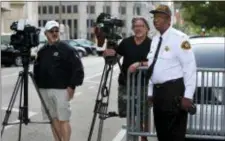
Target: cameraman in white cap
{"type": "Point", "coordinates": [52, 31]}
{"type": "Point", "coordinates": [58, 71]}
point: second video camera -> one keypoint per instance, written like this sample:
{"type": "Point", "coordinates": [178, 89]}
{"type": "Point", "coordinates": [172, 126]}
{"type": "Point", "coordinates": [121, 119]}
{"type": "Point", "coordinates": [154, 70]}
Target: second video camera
{"type": "Point", "coordinates": [26, 36]}
{"type": "Point", "coordinates": [109, 26]}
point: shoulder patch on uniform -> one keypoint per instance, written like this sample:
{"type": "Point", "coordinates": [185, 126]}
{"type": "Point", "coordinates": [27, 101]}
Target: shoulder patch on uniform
{"type": "Point", "coordinates": [185, 45]}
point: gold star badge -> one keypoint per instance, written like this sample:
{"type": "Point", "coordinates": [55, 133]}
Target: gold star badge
{"type": "Point", "coordinates": [185, 45]}
{"type": "Point", "coordinates": [167, 48]}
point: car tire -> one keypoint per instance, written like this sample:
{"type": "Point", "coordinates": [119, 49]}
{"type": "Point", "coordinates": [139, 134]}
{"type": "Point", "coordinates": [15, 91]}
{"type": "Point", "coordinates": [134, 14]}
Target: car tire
{"type": "Point", "coordinates": [94, 52]}
{"type": "Point", "coordinates": [100, 53]}
{"type": "Point", "coordinates": [18, 61]}
{"type": "Point", "coordinates": [80, 54]}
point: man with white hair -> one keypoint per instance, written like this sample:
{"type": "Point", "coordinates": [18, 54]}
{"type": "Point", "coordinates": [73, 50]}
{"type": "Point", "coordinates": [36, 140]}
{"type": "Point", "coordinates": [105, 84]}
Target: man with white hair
{"type": "Point", "coordinates": [57, 72]}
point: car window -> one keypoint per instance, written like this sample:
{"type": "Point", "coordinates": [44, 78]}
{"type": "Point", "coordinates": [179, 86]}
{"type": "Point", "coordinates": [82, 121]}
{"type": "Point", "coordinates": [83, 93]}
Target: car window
{"type": "Point", "coordinates": [209, 55]}
{"type": "Point", "coordinates": [5, 39]}
{"type": "Point", "coordinates": [85, 42]}
{"type": "Point", "coordinates": [90, 42]}
{"type": "Point", "coordinates": [82, 42]}
{"type": "Point", "coordinates": [42, 38]}
{"type": "Point", "coordinates": [72, 43]}
{"type": "Point", "coordinates": [3, 47]}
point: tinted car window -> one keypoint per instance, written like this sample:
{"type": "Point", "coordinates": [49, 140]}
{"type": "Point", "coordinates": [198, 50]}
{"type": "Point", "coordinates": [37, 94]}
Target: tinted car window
{"type": "Point", "coordinates": [209, 55]}
{"type": "Point", "coordinates": [72, 43]}
{"type": "Point", "coordinates": [5, 39]}
{"type": "Point", "coordinates": [84, 42]}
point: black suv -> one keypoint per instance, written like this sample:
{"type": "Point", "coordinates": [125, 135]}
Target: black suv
{"type": "Point", "coordinates": [10, 56]}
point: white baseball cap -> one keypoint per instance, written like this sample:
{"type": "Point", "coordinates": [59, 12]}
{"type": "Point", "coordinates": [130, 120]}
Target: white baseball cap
{"type": "Point", "coordinates": [50, 24]}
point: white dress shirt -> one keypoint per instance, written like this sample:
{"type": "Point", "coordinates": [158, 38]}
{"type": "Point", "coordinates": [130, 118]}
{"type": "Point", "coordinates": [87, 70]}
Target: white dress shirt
{"type": "Point", "coordinates": [173, 61]}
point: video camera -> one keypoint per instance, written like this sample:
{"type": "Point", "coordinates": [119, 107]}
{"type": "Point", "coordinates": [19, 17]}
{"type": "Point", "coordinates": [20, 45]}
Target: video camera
{"type": "Point", "coordinates": [109, 27]}
{"type": "Point", "coordinates": [26, 36]}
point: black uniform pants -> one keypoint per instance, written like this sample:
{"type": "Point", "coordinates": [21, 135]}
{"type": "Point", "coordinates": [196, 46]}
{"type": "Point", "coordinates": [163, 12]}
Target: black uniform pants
{"type": "Point", "coordinates": [170, 120]}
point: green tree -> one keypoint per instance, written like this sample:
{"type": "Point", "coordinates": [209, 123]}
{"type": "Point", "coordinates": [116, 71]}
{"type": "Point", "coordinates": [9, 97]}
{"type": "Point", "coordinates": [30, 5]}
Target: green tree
{"type": "Point", "coordinates": [209, 15]}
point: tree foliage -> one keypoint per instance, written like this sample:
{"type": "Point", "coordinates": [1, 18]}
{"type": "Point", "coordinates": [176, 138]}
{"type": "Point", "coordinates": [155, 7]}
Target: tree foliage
{"type": "Point", "coordinates": [209, 15]}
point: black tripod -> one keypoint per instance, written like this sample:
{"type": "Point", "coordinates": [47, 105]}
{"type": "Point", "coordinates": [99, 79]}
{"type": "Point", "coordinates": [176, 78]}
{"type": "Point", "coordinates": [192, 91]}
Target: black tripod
{"type": "Point", "coordinates": [102, 101]}
{"type": "Point", "coordinates": [22, 84]}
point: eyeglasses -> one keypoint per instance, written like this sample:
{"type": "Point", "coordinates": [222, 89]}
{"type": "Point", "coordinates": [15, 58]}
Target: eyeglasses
{"type": "Point", "coordinates": [52, 31]}
{"type": "Point", "coordinates": [139, 26]}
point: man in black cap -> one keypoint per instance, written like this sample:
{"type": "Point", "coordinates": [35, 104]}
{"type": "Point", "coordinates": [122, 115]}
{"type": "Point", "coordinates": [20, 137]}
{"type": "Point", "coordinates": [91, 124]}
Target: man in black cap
{"type": "Point", "coordinates": [172, 73]}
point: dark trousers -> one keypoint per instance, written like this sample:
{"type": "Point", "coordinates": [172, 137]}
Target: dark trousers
{"type": "Point", "coordinates": [170, 120]}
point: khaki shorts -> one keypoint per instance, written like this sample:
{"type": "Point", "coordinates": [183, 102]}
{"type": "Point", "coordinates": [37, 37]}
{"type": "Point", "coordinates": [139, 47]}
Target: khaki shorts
{"type": "Point", "coordinates": [57, 102]}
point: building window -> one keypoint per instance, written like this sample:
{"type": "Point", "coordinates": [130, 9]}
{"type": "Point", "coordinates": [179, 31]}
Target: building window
{"type": "Point", "coordinates": [92, 36]}
{"type": "Point", "coordinates": [90, 23]}
{"type": "Point", "coordinates": [44, 9]}
{"type": "Point", "coordinates": [64, 22]}
{"type": "Point", "coordinates": [69, 22]}
{"type": "Point", "coordinates": [69, 9]}
{"type": "Point", "coordinates": [39, 23]}
{"type": "Point", "coordinates": [75, 10]}
{"type": "Point", "coordinates": [75, 24]}
{"type": "Point", "coordinates": [56, 9]}
{"type": "Point", "coordinates": [75, 28]}
{"type": "Point", "coordinates": [63, 9]}
{"type": "Point", "coordinates": [75, 35]}
{"type": "Point", "coordinates": [108, 9]}
{"type": "Point", "coordinates": [138, 11]}
{"type": "Point", "coordinates": [44, 22]}
{"type": "Point", "coordinates": [123, 10]}
{"type": "Point", "coordinates": [39, 10]}
{"type": "Point", "coordinates": [88, 36]}
{"type": "Point", "coordinates": [92, 9]}
{"type": "Point", "coordinates": [50, 10]}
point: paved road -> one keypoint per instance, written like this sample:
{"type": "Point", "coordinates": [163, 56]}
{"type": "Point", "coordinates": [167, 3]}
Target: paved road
{"type": "Point", "coordinates": [82, 107]}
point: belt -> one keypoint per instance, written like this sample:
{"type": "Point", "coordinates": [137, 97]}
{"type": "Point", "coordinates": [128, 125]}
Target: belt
{"type": "Point", "coordinates": [169, 82]}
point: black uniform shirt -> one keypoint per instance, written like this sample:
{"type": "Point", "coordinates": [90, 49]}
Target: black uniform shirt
{"type": "Point", "coordinates": [132, 53]}
{"type": "Point", "coordinates": [58, 66]}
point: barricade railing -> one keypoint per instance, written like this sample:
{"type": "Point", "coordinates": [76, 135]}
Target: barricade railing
{"type": "Point", "coordinates": [209, 98]}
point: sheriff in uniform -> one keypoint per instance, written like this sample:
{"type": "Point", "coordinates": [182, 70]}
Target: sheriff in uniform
{"type": "Point", "coordinates": [173, 77]}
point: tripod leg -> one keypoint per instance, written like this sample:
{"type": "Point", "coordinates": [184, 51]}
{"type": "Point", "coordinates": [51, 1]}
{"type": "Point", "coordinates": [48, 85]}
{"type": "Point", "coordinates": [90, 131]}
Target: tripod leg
{"type": "Point", "coordinates": [92, 126]}
{"type": "Point", "coordinates": [96, 106]}
{"type": "Point", "coordinates": [11, 103]}
{"type": "Point", "coordinates": [20, 130]}
{"type": "Point", "coordinates": [45, 107]}
{"type": "Point", "coordinates": [101, 123]}
{"type": "Point", "coordinates": [104, 106]}
{"type": "Point", "coordinates": [21, 110]}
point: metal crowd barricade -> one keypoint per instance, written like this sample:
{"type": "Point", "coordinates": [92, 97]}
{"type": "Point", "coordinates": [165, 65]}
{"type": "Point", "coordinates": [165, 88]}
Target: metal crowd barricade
{"type": "Point", "coordinates": [209, 97]}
